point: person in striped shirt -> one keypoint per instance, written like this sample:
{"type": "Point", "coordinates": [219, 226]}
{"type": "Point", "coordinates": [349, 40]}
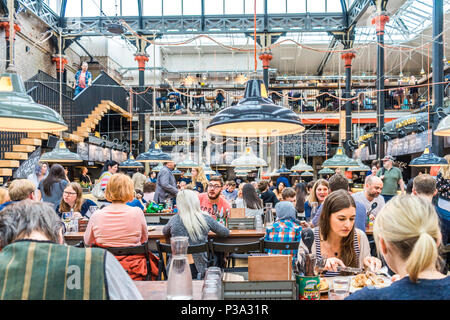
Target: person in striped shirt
{"type": "Point", "coordinates": [109, 169]}
{"type": "Point", "coordinates": [285, 228]}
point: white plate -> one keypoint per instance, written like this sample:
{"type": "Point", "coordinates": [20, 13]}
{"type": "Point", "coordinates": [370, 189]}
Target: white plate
{"type": "Point", "coordinates": [387, 283]}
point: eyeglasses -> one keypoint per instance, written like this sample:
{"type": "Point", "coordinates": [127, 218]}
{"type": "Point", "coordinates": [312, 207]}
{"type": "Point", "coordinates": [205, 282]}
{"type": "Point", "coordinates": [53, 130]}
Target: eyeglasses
{"type": "Point", "coordinates": [70, 193]}
{"type": "Point", "coordinates": [214, 186]}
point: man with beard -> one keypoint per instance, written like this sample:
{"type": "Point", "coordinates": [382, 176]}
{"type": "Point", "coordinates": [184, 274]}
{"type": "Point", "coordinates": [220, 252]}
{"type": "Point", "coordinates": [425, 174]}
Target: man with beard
{"type": "Point", "coordinates": [212, 200]}
{"type": "Point", "coordinates": [371, 193]}
{"type": "Point", "coordinates": [391, 177]}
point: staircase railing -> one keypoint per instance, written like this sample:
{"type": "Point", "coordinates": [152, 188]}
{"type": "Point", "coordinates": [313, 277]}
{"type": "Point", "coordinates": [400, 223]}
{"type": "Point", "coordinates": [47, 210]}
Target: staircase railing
{"type": "Point", "coordinates": [9, 139]}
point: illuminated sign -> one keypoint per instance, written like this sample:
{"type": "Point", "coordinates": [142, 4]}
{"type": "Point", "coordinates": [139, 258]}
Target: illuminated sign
{"type": "Point", "coordinates": [174, 143]}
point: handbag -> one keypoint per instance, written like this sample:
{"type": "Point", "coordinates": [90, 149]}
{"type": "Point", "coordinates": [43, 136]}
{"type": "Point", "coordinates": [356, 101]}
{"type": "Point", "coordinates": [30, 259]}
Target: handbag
{"type": "Point", "coordinates": [97, 190]}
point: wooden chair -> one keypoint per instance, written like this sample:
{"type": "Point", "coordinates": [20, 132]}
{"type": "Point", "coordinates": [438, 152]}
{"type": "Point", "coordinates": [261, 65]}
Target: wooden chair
{"type": "Point", "coordinates": [129, 251]}
{"type": "Point", "coordinates": [275, 245]}
{"type": "Point", "coordinates": [233, 251]}
{"type": "Point", "coordinates": [167, 249]}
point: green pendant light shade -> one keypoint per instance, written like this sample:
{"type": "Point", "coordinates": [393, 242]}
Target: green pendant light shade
{"type": "Point", "coordinates": [340, 160]}
{"type": "Point", "coordinates": [283, 170]}
{"type": "Point", "coordinates": [307, 174]}
{"type": "Point", "coordinates": [18, 111]}
{"type": "Point", "coordinates": [177, 172]}
{"type": "Point", "coordinates": [428, 159]}
{"type": "Point", "coordinates": [244, 169]}
{"type": "Point", "coordinates": [130, 163]}
{"type": "Point", "coordinates": [302, 166]}
{"type": "Point", "coordinates": [187, 163]}
{"type": "Point", "coordinates": [188, 174]}
{"type": "Point", "coordinates": [60, 154]}
{"type": "Point", "coordinates": [255, 116]}
{"type": "Point", "coordinates": [326, 171]}
{"type": "Point", "coordinates": [242, 174]}
{"type": "Point", "coordinates": [443, 129]}
{"type": "Point", "coordinates": [158, 167]}
{"type": "Point", "coordinates": [154, 154]}
{"type": "Point", "coordinates": [248, 159]}
{"type": "Point", "coordinates": [361, 166]}
{"type": "Point", "coordinates": [207, 169]}
{"type": "Point", "coordinates": [274, 173]}
{"type": "Point", "coordinates": [294, 174]}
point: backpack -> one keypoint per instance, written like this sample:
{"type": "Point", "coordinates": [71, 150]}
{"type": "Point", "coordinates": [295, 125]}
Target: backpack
{"type": "Point", "coordinates": [97, 190]}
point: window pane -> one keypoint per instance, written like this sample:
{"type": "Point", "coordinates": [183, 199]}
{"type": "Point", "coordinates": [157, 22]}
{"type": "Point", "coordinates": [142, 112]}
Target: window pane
{"type": "Point", "coordinates": [172, 8]}
{"type": "Point", "coordinates": [316, 6]}
{"type": "Point", "coordinates": [234, 6]}
{"type": "Point", "coordinates": [152, 8]}
{"type": "Point", "coordinates": [55, 5]}
{"type": "Point", "coordinates": [214, 7]}
{"type": "Point", "coordinates": [130, 8]}
{"type": "Point", "coordinates": [192, 7]}
{"type": "Point", "coordinates": [249, 6]}
{"type": "Point", "coordinates": [91, 8]}
{"type": "Point", "coordinates": [276, 6]}
{"type": "Point", "coordinates": [296, 6]}
{"type": "Point", "coordinates": [109, 7]}
{"type": "Point", "coordinates": [334, 6]}
{"type": "Point", "coordinates": [73, 8]}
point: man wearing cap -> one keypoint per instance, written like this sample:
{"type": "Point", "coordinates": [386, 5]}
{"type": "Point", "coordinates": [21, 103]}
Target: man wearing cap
{"type": "Point", "coordinates": [392, 177]}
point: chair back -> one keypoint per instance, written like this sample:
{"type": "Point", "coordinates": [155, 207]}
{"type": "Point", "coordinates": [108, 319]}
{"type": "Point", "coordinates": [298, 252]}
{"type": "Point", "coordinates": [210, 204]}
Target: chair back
{"type": "Point", "coordinates": [217, 247]}
{"type": "Point", "coordinates": [276, 245]}
{"type": "Point", "coordinates": [130, 251]}
{"type": "Point", "coordinates": [164, 220]}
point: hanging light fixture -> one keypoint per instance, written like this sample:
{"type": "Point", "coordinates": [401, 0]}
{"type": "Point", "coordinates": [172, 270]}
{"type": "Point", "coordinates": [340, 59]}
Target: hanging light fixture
{"type": "Point", "coordinates": [187, 163]}
{"type": "Point", "coordinates": [255, 116]}
{"type": "Point", "coordinates": [274, 173]}
{"type": "Point", "coordinates": [283, 170]}
{"type": "Point", "coordinates": [244, 169]}
{"type": "Point", "coordinates": [302, 166]}
{"type": "Point", "coordinates": [294, 174]}
{"type": "Point", "coordinates": [307, 174]}
{"type": "Point", "coordinates": [207, 169]}
{"type": "Point", "coordinates": [443, 128]}
{"type": "Point", "coordinates": [248, 159]}
{"type": "Point", "coordinates": [428, 159]}
{"type": "Point", "coordinates": [176, 172]}
{"type": "Point", "coordinates": [242, 174]}
{"type": "Point", "coordinates": [130, 163]}
{"type": "Point", "coordinates": [154, 154]}
{"type": "Point", "coordinates": [340, 160]}
{"type": "Point", "coordinates": [188, 173]}
{"type": "Point", "coordinates": [325, 171]}
{"type": "Point", "coordinates": [361, 166]}
{"type": "Point", "coordinates": [60, 154]}
{"type": "Point", "coordinates": [18, 111]}
{"type": "Point", "coordinates": [158, 167]}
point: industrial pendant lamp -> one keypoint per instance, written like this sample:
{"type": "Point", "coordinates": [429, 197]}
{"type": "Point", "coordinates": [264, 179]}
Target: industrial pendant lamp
{"type": "Point", "coordinates": [207, 169]}
{"type": "Point", "coordinates": [154, 154]}
{"type": "Point", "coordinates": [443, 128]}
{"type": "Point", "coordinates": [188, 173]}
{"type": "Point", "coordinates": [158, 167]}
{"type": "Point", "coordinates": [18, 111]}
{"type": "Point", "coordinates": [428, 159]}
{"type": "Point", "coordinates": [340, 160]}
{"type": "Point", "coordinates": [130, 163]}
{"type": "Point", "coordinates": [187, 163]}
{"type": "Point", "coordinates": [294, 174]}
{"type": "Point", "coordinates": [361, 166]}
{"type": "Point", "coordinates": [176, 172]}
{"type": "Point", "coordinates": [283, 170]}
{"type": "Point", "coordinates": [307, 174]}
{"type": "Point", "coordinates": [60, 153]}
{"type": "Point", "coordinates": [248, 159]}
{"type": "Point", "coordinates": [325, 171]}
{"type": "Point", "coordinates": [255, 116]}
{"type": "Point", "coordinates": [302, 166]}
{"type": "Point", "coordinates": [244, 169]}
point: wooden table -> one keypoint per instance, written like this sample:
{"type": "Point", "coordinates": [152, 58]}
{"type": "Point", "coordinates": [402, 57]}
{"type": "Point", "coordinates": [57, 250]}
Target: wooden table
{"type": "Point", "coordinates": [156, 290]}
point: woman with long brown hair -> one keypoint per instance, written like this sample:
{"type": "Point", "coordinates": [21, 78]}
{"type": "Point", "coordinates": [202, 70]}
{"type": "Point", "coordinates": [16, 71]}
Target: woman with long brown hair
{"type": "Point", "coordinates": [72, 200]}
{"type": "Point", "coordinates": [316, 197]}
{"type": "Point", "coordinates": [337, 241]}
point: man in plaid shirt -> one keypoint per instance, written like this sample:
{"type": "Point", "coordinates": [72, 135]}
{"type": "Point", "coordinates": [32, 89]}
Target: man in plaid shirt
{"type": "Point", "coordinates": [285, 229]}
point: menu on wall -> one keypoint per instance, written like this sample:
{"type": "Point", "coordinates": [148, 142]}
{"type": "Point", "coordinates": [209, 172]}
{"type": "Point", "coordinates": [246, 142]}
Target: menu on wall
{"type": "Point", "coordinates": [314, 144]}
{"type": "Point", "coordinates": [28, 166]}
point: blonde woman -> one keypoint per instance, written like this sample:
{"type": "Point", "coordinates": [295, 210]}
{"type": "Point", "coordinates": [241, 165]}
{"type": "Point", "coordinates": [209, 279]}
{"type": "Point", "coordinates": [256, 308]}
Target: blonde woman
{"type": "Point", "coordinates": [443, 205]}
{"type": "Point", "coordinates": [199, 180]}
{"type": "Point", "coordinates": [407, 234]}
{"type": "Point", "coordinates": [195, 224]}
{"type": "Point", "coordinates": [4, 195]}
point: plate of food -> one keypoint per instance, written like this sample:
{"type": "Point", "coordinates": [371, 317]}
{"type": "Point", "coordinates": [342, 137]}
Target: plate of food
{"type": "Point", "coordinates": [324, 286]}
{"type": "Point", "coordinates": [367, 279]}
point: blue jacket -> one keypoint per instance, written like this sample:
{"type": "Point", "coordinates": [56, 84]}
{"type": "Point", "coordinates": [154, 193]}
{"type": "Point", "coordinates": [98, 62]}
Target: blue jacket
{"type": "Point", "coordinates": [284, 180]}
{"type": "Point", "coordinates": [77, 77]}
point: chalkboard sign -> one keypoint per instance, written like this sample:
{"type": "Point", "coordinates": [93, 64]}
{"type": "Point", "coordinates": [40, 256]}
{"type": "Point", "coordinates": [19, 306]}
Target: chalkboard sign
{"type": "Point", "coordinates": [83, 150]}
{"type": "Point", "coordinates": [28, 166]}
{"type": "Point", "coordinates": [314, 144]}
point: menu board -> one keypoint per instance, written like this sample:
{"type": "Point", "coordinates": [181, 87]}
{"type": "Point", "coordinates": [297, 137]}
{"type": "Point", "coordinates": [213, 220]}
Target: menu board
{"type": "Point", "coordinates": [314, 144]}
{"type": "Point", "coordinates": [83, 150]}
{"type": "Point", "coordinates": [28, 166]}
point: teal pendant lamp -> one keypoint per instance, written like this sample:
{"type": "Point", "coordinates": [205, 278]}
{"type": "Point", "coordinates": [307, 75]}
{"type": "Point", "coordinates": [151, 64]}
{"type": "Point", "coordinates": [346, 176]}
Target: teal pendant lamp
{"type": "Point", "coordinates": [255, 116]}
{"type": "Point", "coordinates": [307, 174]}
{"type": "Point", "coordinates": [244, 169]}
{"type": "Point", "coordinates": [60, 154]}
{"type": "Point", "coordinates": [207, 169]}
{"type": "Point", "coordinates": [130, 163]}
{"type": "Point", "coordinates": [294, 174]}
{"type": "Point", "coordinates": [177, 172]}
{"type": "Point", "coordinates": [248, 159]}
{"type": "Point", "coordinates": [188, 174]}
{"type": "Point", "coordinates": [154, 154]}
{"type": "Point", "coordinates": [158, 167]}
{"type": "Point", "coordinates": [187, 164]}
{"type": "Point", "coordinates": [283, 170]}
{"type": "Point", "coordinates": [428, 159]}
{"type": "Point", "coordinates": [302, 166]}
{"type": "Point", "coordinates": [326, 171]}
{"type": "Point", "coordinates": [361, 166]}
{"type": "Point", "coordinates": [340, 160]}
{"type": "Point", "coordinates": [443, 128]}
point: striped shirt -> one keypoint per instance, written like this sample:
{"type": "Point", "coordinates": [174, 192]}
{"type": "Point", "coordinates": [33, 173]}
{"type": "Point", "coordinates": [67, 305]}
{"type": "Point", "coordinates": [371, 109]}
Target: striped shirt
{"type": "Point", "coordinates": [319, 254]}
{"type": "Point", "coordinates": [104, 178]}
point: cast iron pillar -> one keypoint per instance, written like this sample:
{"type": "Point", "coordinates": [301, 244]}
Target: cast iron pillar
{"type": "Point", "coordinates": [141, 58]}
{"type": "Point", "coordinates": [348, 57]}
{"type": "Point", "coordinates": [265, 57]}
{"type": "Point", "coordinates": [437, 145]}
{"type": "Point", "coordinates": [379, 22]}
{"type": "Point", "coordinates": [5, 26]}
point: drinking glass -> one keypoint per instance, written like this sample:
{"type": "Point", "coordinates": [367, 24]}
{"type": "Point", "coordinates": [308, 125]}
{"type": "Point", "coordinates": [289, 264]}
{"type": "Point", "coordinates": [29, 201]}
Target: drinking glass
{"type": "Point", "coordinates": [268, 218]}
{"type": "Point", "coordinates": [340, 288]}
{"type": "Point", "coordinates": [211, 290]}
{"type": "Point", "coordinates": [214, 274]}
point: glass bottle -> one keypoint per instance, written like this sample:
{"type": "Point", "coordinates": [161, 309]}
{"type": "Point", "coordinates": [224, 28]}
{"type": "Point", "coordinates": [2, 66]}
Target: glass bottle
{"type": "Point", "coordinates": [179, 282]}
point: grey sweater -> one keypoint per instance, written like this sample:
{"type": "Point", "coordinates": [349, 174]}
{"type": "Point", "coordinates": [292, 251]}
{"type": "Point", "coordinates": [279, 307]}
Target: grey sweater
{"type": "Point", "coordinates": [175, 228]}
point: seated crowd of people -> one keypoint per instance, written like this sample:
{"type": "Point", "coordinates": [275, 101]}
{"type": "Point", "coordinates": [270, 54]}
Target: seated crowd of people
{"type": "Point", "coordinates": [407, 230]}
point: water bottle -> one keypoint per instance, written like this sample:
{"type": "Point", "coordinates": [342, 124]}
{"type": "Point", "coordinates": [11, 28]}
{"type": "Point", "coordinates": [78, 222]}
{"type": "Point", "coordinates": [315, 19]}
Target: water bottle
{"type": "Point", "coordinates": [179, 282]}
{"type": "Point", "coordinates": [258, 222]}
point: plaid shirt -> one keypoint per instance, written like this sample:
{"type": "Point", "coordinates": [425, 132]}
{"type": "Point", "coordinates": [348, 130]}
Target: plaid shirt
{"type": "Point", "coordinates": [283, 231]}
